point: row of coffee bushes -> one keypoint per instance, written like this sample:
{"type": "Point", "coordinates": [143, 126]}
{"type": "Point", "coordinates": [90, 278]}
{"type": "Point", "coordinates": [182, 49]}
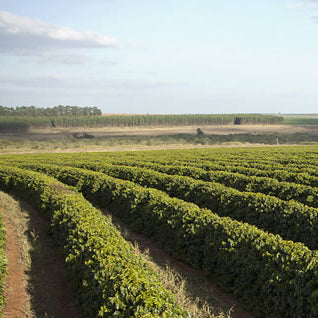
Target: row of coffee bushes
{"type": "Point", "coordinates": [291, 220]}
{"type": "Point", "coordinates": [271, 276]}
{"type": "Point", "coordinates": [280, 175]}
{"type": "Point", "coordinates": [303, 159]}
{"type": "Point", "coordinates": [72, 116]}
{"type": "Point", "coordinates": [283, 190]}
{"type": "Point", "coordinates": [304, 156]}
{"type": "Point", "coordinates": [110, 279]}
{"type": "Point", "coordinates": [270, 172]}
{"type": "Point", "coordinates": [250, 162]}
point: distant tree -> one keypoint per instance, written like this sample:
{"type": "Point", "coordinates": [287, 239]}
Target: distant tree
{"type": "Point", "coordinates": [200, 132]}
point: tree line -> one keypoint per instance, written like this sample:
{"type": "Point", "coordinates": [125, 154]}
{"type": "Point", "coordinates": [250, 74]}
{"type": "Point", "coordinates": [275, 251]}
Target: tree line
{"type": "Point", "coordinates": [59, 110]}
{"type": "Point", "coordinates": [21, 123]}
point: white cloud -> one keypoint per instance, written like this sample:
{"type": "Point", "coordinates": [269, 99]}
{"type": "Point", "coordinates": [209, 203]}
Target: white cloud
{"type": "Point", "coordinates": [55, 58]}
{"type": "Point", "coordinates": [21, 35]}
{"type": "Point", "coordinates": [58, 82]}
{"type": "Point", "coordinates": [304, 4]}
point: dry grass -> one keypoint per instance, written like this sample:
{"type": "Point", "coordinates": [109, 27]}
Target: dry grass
{"type": "Point", "coordinates": [20, 219]}
{"type": "Point", "coordinates": [168, 130]}
{"type": "Point", "coordinates": [192, 294]}
{"type": "Point", "coordinates": [191, 290]}
{"type": "Point", "coordinates": [144, 138]}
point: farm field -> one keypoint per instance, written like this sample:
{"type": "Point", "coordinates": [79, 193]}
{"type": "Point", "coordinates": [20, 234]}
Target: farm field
{"type": "Point", "coordinates": [135, 132]}
{"type": "Point", "coordinates": [247, 218]}
{"type": "Point", "coordinates": [136, 138]}
{"type": "Point", "coordinates": [301, 119]}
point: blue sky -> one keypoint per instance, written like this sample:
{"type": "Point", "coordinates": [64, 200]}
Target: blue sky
{"type": "Point", "coordinates": [167, 56]}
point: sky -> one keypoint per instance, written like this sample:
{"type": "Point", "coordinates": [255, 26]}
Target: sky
{"type": "Point", "coordinates": [161, 57]}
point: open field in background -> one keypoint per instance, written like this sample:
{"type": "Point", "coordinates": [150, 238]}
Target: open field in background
{"type": "Point", "coordinates": [130, 138]}
{"type": "Point", "coordinates": [160, 132]}
{"type": "Point", "coordinates": [301, 119]}
{"type": "Point", "coordinates": [169, 130]}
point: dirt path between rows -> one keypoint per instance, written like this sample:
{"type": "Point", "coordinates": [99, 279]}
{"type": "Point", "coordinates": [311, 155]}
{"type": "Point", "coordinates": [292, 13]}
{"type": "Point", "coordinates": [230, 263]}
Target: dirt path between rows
{"type": "Point", "coordinates": [161, 258]}
{"type": "Point", "coordinates": [37, 284]}
{"type": "Point", "coordinates": [18, 299]}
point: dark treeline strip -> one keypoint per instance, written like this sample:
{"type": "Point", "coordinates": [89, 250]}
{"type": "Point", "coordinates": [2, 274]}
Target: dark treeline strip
{"type": "Point", "coordinates": [49, 111]}
{"type": "Point", "coordinates": [64, 120]}
{"type": "Point", "coordinates": [110, 279]}
{"type": "Point", "coordinates": [271, 276]}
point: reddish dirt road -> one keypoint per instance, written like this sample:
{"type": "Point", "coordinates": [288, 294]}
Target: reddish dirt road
{"type": "Point", "coordinates": [37, 284]}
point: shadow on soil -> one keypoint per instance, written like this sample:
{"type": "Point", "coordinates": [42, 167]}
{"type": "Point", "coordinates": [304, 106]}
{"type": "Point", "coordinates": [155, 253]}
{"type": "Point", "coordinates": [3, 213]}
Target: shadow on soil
{"type": "Point", "coordinates": [48, 286]}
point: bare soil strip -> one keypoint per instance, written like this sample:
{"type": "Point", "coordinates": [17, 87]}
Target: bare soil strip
{"type": "Point", "coordinates": [58, 133]}
{"type": "Point", "coordinates": [37, 284]}
{"type": "Point", "coordinates": [18, 299]}
{"type": "Point", "coordinates": [141, 148]}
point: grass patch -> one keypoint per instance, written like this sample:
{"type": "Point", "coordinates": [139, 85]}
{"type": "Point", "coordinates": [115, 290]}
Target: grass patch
{"type": "Point", "coordinates": [105, 142]}
{"type": "Point", "coordinates": [301, 119]}
{"type": "Point", "coordinates": [18, 219]}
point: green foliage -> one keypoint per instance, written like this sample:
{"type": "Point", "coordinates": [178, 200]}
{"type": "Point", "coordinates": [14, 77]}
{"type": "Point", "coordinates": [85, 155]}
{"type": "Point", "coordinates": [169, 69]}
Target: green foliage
{"type": "Point", "coordinates": [72, 116]}
{"type": "Point", "coordinates": [283, 190]}
{"type": "Point", "coordinates": [300, 120]}
{"type": "Point", "coordinates": [207, 170]}
{"type": "Point", "coordinates": [109, 278]}
{"type": "Point", "coordinates": [291, 220]}
{"type": "Point", "coordinates": [271, 276]}
{"type": "Point", "coordinates": [49, 111]}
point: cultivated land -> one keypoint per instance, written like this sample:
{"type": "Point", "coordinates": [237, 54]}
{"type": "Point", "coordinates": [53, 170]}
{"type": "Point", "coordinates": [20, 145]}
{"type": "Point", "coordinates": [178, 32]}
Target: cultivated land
{"type": "Point", "coordinates": [174, 227]}
{"type": "Point", "coordinates": [128, 138]}
{"type": "Point", "coordinates": [154, 131]}
{"type": "Point", "coordinates": [301, 119]}
{"type": "Point", "coordinates": [135, 132]}
{"type": "Point", "coordinates": [247, 218]}
{"type": "Point", "coordinates": [36, 284]}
